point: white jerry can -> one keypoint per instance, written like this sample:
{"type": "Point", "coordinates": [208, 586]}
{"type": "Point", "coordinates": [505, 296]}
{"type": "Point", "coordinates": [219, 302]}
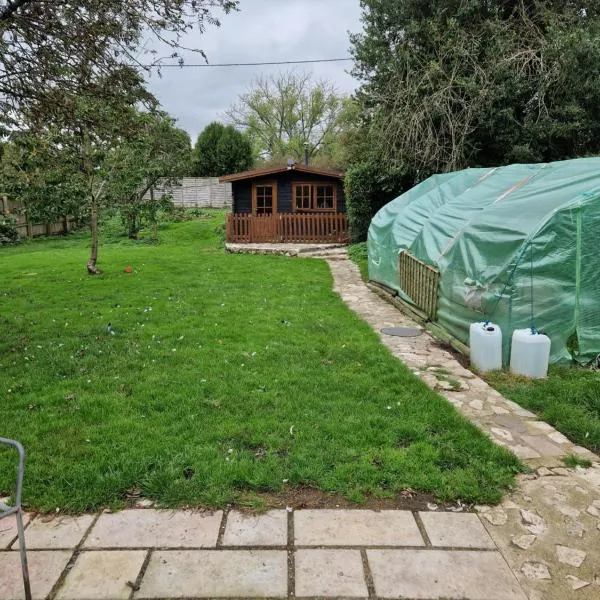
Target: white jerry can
{"type": "Point", "coordinates": [530, 354]}
{"type": "Point", "coordinates": [485, 342]}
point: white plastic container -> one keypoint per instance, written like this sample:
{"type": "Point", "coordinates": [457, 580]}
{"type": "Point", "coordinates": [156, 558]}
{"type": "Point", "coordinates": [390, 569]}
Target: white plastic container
{"type": "Point", "coordinates": [485, 342]}
{"type": "Point", "coordinates": [530, 354]}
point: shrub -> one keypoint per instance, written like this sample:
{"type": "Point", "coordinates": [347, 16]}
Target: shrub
{"type": "Point", "coordinates": [8, 230]}
{"type": "Point", "coordinates": [369, 187]}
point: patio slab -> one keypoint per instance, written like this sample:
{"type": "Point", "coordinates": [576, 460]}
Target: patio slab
{"type": "Point", "coordinates": [215, 574]}
{"type": "Point", "coordinates": [456, 530]}
{"type": "Point", "coordinates": [269, 529]}
{"type": "Point", "coordinates": [56, 533]}
{"type": "Point", "coordinates": [8, 529]}
{"type": "Point", "coordinates": [435, 574]}
{"type": "Point", "coordinates": [330, 574]}
{"type": "Point", "coordinates": [356, 528]}
{"type": "Point", "coordinates": [102, 575]}
{"type": "Point", "coordinates": [155, 529]}
{"type": "Point", "coordinates": [45, 568]}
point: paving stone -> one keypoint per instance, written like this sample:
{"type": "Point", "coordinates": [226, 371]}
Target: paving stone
{"type": "Point", "coordinates": [558, 437]}
{"type": "Point", "coordinates": [102, 575]}
{"type": "Point", "coordinates": [575, 528]}
{"type": "Point", "coordinates": [268, 529]}
{"type": "Point", "coordinates": [524, 541]}
{"type": "Point", "coordinates": [456, 530]}
{"type": "Point", "coordinates": [535, 571]}
{"type": "Point", "coordinates": [330, 573]}
{"type": "Point", "coordinates": [151, 528]}
{"type": "Point", "coordinates": [541, 426]}
{"type": "Point", "coordinates": [569, 511]}
{"type": "Point", "coordinates": [525, 413]}
{"type": "Point", "coordinates": [581, 451]}
{"type": "Point", "coordinates": [495, 516]}
{"type": "Point", "coordinates": [215, 574]}
{"type": "Point", "coordinates": [524, 452]}
{"type": "Point", "coordinates": [533, 522]}
{"type": "Point", "coordinates": [502, 433]}
{"type": "Point", "coordinates": [570, 556]}
{"type": "Point", "coordinates": [542, 445]}
{"type": "Point", "coordinates": [356, 528]}
{"type": "Point", "coordinates": [45, 568]}
{"type": "Point", "coordinates": [56, 533]}
{"type": "Point", "coordinates": [8, 529]}
{"type": "Point", "coordinates": [593, 510]}
{"type": "Point", "coordinates": [561, 471]}
{"type": "Point", "coordinates": [476, 404]}
{"type": "Point", "coordinates": [511, 422]}
{"type": "Point", "coordinates": [434, 574]}
{"type": "Point", "coordinates": [576, 583]}
{"type": "Point", "coordinates": [544, 472]}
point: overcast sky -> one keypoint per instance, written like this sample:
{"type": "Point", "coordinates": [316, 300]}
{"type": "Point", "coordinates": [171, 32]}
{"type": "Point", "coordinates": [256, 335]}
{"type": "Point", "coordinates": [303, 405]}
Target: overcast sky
{"type": "Point", "coordinates": [263, 30]}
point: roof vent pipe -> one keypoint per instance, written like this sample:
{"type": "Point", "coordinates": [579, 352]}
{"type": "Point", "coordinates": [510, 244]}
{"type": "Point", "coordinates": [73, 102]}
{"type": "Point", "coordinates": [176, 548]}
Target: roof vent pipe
{"type": "Point", "coordinates": [306, 154]}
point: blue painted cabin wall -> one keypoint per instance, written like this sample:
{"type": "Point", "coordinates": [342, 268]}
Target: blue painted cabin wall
{"type": "Point", "coordinates": [242, 190]}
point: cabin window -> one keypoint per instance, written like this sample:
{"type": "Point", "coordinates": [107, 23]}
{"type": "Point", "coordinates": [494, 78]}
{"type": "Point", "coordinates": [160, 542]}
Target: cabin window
{"type": "Point", "coordinates": [264, 199]}
{"type": "Point", "coordinates": [315, 197]}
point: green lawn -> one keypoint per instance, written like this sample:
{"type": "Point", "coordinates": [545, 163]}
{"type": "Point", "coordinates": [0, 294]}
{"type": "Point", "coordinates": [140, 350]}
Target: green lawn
{"type": "Point", "coordinates": [569, 400]}
{"type": "Point", "coordinates": [226, 375]}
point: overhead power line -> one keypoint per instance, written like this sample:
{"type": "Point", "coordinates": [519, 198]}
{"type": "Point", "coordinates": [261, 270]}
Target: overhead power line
{"type": "Point", "coordinates": [249, 64]}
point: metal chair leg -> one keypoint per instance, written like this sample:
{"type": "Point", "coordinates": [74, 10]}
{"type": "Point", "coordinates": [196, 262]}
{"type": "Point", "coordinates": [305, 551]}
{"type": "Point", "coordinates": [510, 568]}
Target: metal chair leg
{"type": "Point", "coordinates": [18, 512]}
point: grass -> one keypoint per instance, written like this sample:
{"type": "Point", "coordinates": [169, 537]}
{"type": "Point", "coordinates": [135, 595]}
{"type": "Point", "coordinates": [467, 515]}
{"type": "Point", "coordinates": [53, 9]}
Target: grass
{"type": "Point", "coordinates": [573, 461]}
{"type": "Point", "coordinates": [358, 254]}
{"type": "Point", "coordinates": [219, 376]}
{"type": "Point", "coordinates": [569, 399]}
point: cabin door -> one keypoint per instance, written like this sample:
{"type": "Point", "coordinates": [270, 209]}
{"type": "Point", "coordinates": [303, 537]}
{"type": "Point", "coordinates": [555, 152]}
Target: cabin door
{"type": "Point", "coordinates": [264, 198]}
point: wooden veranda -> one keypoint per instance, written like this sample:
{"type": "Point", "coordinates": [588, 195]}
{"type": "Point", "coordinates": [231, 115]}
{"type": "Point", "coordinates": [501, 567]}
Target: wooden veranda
{"type": "Point", "coordinates": [287, 228]}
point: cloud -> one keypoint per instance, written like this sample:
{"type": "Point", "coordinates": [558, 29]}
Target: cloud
{"type": "Point", "coordinates": [264, 30]}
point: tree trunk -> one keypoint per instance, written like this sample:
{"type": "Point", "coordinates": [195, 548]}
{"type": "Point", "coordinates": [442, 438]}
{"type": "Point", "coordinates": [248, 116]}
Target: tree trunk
{"type": "Point", "coordinates": [132, 226]}
{"type": "Point", "coordinates": [91, 266]}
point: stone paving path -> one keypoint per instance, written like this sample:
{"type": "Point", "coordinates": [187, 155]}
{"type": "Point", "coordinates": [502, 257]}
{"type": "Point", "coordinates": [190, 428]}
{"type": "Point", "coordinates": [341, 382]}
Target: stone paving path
{"type": "Point", "coordinates": [548, 529]}
{"type": "Point", "coordinates": [148, 553]}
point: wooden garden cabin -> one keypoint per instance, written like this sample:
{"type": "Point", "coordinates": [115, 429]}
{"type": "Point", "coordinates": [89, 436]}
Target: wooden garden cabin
{"type": "Point", "coordinates": [287, 204]}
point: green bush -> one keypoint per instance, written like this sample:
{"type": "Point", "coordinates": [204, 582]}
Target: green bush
{"type": "Point", "coordinates": [8, 230]}
{"type": "Point", "coordinates": [368, 188]}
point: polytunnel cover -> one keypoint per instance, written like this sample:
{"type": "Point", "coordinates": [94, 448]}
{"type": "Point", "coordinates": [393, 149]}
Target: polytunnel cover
{"type": "Point", "coordinates": [509, 243]}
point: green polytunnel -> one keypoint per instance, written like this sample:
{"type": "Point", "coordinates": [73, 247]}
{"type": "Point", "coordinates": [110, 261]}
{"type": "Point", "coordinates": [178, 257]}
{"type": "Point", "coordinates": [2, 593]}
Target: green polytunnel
{"type": "Point", "coordinates": [508, 243]}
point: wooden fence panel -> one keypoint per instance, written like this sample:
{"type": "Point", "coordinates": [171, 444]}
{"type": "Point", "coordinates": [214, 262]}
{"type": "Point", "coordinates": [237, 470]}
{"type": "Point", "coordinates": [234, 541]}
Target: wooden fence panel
{"type": "Point", "coordinates": [420, 283]}
{"type": "Point", "coordinates": [30, 229]}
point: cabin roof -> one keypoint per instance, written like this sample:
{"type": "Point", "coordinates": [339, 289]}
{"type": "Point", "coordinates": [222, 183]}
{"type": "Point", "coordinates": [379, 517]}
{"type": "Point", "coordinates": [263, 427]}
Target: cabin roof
{"type": "Point", "coordinates": [280, 169]}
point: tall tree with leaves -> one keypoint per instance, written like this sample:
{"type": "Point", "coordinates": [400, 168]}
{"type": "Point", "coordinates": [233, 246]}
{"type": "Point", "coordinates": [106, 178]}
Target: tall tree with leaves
{"type": "Point", "coordinates": [75, 154]}
{"type": "Point", "coordinates": [283, 114]}
{"type": "Point", "coordinates": [221, 150]}
{"type": "Point", "coordinates": [48, 48]}
{"type": "Point", "coordinates": [158, 151]}
{"type": "Point", "coordinates": [447, 84]}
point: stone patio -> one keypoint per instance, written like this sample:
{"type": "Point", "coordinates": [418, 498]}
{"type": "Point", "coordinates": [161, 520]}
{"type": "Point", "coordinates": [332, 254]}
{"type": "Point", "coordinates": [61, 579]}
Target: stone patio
{"type": "Point", "coordinates": [148, 553]}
